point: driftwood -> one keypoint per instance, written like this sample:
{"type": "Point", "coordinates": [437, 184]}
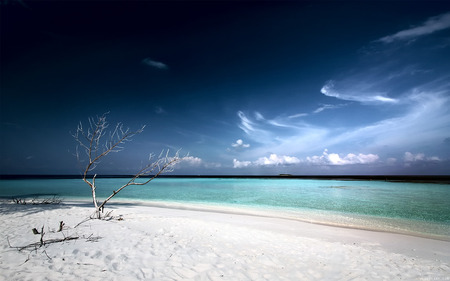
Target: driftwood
{"type": "Point", "coordinates": [37, 245]}
{"type": "Point", "coordinates": [42, 241]}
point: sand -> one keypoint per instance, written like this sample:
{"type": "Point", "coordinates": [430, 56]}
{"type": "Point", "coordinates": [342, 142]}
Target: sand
{"type": "Point", "coordinates": [145, 242]}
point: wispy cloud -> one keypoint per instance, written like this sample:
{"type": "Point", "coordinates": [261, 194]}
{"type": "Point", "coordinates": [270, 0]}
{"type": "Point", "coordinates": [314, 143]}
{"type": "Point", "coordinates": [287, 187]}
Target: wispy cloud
{"type": "Point", "coordinates": [298, 115]}
{"type": "Point", "coordinates": [423, 112]}
{"type": "Point", "coordinates": [387, 73]}
{"type": "Point", "coordinates": [430, 26]}
{"type": "Point", "coordinates": [159, 110]}
{"type": "Point", "coordinates": [278, 134]}
{"type": "Point", "coordinates": [426, 115]}
{"type": "Point", "coordinates": [155, 64]}
{"type": "Point", "coordinates": [246, 125]}
{"type": "Point", "coordinates": [254, 128]}
{"type": "Point", "coordinates": [321, 108]}
{"type": "Point", "coordinates": [411, 157]}
{"type": "Point", "coordinates": [408, 107]}
{"type": "Point", "coordinates": [327, 106]}
{"type": "Point", "coordinates": [329, 89]}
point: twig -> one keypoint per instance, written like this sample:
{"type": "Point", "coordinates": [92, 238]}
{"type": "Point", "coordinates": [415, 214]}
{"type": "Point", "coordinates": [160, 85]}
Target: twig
{"type": "Point", "coordinates": [61, 225]}
{"type": "Point", "coordinates": [28, 258]}
{"type": "Point", "coordinates": [83, 221]}
{"type": "Point", "coordinates": [42, 236]}
{"type": "Point", "coordinates": [45, 252]}
{"type": "Point", "coordinates": [91, 238]}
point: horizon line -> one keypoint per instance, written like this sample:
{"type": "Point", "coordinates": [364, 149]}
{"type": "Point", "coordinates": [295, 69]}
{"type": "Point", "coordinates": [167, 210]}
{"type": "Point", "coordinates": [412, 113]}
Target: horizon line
{"type": "Point", "coordinates": [405, 178]}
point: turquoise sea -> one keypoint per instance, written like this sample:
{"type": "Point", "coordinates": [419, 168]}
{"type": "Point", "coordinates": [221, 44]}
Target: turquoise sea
{"type": "Point", "coordinates": [414, 208]}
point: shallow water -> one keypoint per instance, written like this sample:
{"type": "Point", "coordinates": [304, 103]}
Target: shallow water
{"type": "Point", "coordinates": [392, 206]}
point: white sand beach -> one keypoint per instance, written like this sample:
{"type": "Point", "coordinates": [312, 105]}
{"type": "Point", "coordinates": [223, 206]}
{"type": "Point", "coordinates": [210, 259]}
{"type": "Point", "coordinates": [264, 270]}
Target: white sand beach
{"type": "Point", "coordinates": [154, 243]}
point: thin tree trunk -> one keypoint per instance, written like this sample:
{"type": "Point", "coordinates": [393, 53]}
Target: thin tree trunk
{"type": "Point", "coordinates": [90, 141]}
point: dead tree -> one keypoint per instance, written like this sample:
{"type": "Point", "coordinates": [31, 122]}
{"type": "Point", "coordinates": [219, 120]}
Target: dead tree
{"type": "Point", "coordinates": [97, 142]}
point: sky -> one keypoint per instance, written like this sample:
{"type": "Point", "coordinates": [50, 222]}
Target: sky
{"type": "Point", "coordinates": [241, 87]}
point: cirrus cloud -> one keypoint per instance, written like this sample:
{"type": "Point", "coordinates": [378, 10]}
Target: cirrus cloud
{"type": "Point", "coordinates": [430, 26]}
{"type": "Point", "coordinates": [330, 90]}
{"type": "Point", "coordinates": [155, 64]}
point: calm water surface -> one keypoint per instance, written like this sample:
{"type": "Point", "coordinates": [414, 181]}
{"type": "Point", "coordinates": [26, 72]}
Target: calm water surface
{"type": "Point", "coordinates": [392, 206]}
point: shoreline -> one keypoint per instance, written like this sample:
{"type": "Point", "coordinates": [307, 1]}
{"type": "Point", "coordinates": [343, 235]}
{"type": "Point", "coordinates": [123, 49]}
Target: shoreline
{"type": "Point", "coordinates": [142, 242]}
{"type": "Point", "coordinates": [316, 217]}
{"type": "Point", "coordinates": [349, 221]}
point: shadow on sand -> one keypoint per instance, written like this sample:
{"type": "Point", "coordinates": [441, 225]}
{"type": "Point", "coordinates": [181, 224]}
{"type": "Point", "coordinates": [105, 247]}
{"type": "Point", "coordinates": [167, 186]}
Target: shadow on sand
{"type": "Point", "coordinates": [8, 206]}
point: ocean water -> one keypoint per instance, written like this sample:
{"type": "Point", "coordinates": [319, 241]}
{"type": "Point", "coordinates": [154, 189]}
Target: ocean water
{"type": "Point", "coordinates": [413, 208]}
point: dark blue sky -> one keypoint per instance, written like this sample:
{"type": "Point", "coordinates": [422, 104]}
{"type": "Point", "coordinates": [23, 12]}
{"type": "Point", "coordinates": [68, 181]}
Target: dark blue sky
{"type": "Point", "coordinates": [303, 87]}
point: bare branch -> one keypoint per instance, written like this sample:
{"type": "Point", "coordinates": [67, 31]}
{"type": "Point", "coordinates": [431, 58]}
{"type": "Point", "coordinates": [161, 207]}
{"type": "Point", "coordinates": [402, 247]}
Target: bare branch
{"type": "Point", "coordinates": [153, 170]}
{"type": "Point", "coordinates": [97, 143]}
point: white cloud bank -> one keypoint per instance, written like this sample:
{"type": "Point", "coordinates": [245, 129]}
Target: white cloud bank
{"type": "Point", "coordinates": [325, 159]}
{"type": "Point", "coordinates": [272, 160]}
{"type": "Point", "coordinates": [431, 25]}
{"type": "Point", "coordinates": [410, 157]}
{"type": "Point", "coordinates": [241, 164]}
{"type": "Point", "coordinates": [335, 159]}
{"type": "Point", "coordinates": [191, 161]}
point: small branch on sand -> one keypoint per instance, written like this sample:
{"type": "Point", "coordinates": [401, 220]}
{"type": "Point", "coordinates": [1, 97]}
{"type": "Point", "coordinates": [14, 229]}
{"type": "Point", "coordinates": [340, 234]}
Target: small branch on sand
{"type": "Point", "coordinates": [35, 246]}
{"type": "Point", "coordinates": [42, 241]}
{"type": "Point", "coordinates": [91, 238]}
{"type": "Point", "coordinates": [61, 226]}
{"type": "Point", "coordinates": [107, 217]}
